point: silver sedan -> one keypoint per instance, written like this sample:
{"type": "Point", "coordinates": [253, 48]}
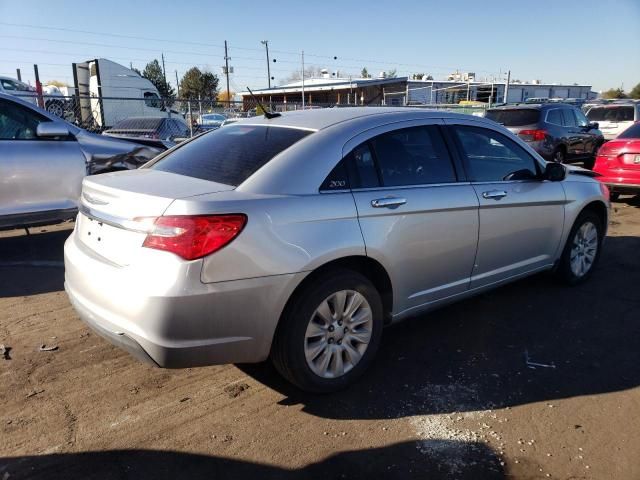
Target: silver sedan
{"type": "Point", "coordinates": [43, 160]}
{"type": "Point", "coordinates": [297, 238]}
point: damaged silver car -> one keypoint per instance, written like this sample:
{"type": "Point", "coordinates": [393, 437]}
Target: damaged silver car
{"type": "Point", "coordinates": [43, 160]}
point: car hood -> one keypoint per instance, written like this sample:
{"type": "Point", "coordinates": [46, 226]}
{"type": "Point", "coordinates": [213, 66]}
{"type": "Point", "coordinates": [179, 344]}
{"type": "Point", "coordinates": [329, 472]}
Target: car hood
{"type": "Point", "coordinates": [104, 153]}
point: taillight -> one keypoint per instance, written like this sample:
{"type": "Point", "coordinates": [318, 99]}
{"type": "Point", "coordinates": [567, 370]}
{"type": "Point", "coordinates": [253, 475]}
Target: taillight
{"type": "Point", "coordinates": [532, 135]}
{"type": "Point", "coordinates": [192, 237]}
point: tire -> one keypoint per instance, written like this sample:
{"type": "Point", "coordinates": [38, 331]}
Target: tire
{"type": "Point", "coordinates": [570, 271]}
{"type": "Point", "coordinates": [590, 161]}
{"type": "Point", "coordinates": [303, 333]}
{"type": "Point", "coordinates": [559, 155]}
{"type": "Point", "coordinates": [55, 107]}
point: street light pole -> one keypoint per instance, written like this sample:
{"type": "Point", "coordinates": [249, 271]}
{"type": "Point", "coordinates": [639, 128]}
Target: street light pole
{"type": "Point", "coordinates": [266, 46]}
{"type": "Point", "coordinates": [303, 79]}
{"type": "Point", "coordinates": [226, 69]}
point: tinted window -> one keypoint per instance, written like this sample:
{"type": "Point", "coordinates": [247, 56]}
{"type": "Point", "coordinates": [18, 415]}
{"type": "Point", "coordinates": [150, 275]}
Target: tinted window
{"type": "Point", "coordinates": [631, 132]}
{"type": "Point", "coordinates": [151, 99]}
{"type": "Point", "coordinates": [413, 156]}
{"type": "Point", "coordinates": [514, 117]}
{"type": "Point", "coordinates": [229, 155]}
{"type": "Point", "coordinates": [18, 122]}
{"type": "Point", "coordinates": [569, 118]}
{"type": "Point", "coordinates": [362, 169]}
{"type": "Point", "coordinates": [621, 113]}
{"type": "Point", "coordinates": [491, 157]}
{"type": "Point", "coordinates": [337, 179]}
{"type": "Point", "coordinates": [554, 116]}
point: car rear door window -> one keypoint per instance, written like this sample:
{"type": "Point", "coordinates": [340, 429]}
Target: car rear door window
{"type": "Point", "coordinates": [229, 155]}
{"type": "Point", "coordinates": [490, 156]}
{"type": "Point", "coordinates": [413, 156]}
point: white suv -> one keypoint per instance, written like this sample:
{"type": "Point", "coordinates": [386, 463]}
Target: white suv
{"type": "Point", "coordinates": [614, 118]}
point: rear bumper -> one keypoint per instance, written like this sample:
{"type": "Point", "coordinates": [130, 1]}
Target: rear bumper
{"type": "Point", "coordinates": [629, 188]}
{"type": "Point", "coordinates": [166, 316]}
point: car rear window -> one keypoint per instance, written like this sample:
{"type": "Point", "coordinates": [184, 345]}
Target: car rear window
{"type": "Point", "coordinates": [229, 155]}
{"type": "Point", "coordinates": [611, 114]}
{"type": "Point", "coordinates": [631, 132]}
{"type": "Point", "coordinates": [139, 124]}
{"type": "Point", "coordinates": [514, 117]}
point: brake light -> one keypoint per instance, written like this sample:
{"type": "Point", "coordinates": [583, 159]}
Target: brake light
{"type": "Point", "coordinates": [192, 237]}
{"type": "Point", "coordinates": [532, 135]}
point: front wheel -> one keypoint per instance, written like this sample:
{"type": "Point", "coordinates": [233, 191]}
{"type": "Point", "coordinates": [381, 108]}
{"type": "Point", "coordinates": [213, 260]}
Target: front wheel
{"type": "Point", "coordinates": [559, 156]}
{"type": "Point", "coordinates": [329, 333]}
{"type": "Point", "coordinates": [582, 251]}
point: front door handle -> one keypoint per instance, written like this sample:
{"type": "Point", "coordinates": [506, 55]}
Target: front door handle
{"type": "Point", "coordinates": [388, 202]}
{"type": "Point", "coordinates": [494, 194]}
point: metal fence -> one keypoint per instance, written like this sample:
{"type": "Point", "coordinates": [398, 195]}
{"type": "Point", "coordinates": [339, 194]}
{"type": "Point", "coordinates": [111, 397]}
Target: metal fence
{"type": "Point", "coordinates": [98, 114]}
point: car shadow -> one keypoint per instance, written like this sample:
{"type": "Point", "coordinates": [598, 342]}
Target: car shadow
{"type": "Point", "coordinates": [534, 340]}
{"type": "Point", "coordinates": [433, 459]}
{"type": "Point", "coordinates": [32, 263]}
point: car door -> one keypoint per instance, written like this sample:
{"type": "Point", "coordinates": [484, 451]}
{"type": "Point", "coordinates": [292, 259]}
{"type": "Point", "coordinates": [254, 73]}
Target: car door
{"type": "Point", "coordinates": [416, 219]}
{"type": "Point", "coordinates": [36, 174]}
{"type": "Point", "coordinates": [521, 215]}
{"type": "Point", "coordinates": [589, 138]}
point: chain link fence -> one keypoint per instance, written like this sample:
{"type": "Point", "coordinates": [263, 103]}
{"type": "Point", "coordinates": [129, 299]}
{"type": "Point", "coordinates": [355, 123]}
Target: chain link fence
{"type": "Point", "coordinates": [188, 117]}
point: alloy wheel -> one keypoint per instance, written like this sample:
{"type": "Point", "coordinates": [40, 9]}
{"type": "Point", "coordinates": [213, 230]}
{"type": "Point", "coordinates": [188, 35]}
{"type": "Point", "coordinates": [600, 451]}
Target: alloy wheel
{"type": "Point", "coordinates": [584, 249]}
{"type": "Point", "coordinates": [338, 334]}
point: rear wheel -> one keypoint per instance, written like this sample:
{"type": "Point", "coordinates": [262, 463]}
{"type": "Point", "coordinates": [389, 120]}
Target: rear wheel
{"type": "Point", "coordinates": [55, 107]}
{"type": "Point", "coordinates": [559, 155]}
{"type": "Point", "coordinates": [330, 332]}
{"type": "Point", "coordinates": [582, 251]}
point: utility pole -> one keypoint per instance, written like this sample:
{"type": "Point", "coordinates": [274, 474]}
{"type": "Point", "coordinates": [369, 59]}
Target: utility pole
{"type": "Point", "coordinates": [303, 79]}
{"type": "Point", "coordinates": [164, 72]}
{"type": "Point", "coordinates": [266, 46]}
{"type": "Point", "coordinates": [506, 87]}
{"type": "Point", "coordinates": [226, 71]}
{"type": "Point", "coordinates": [177, 84]}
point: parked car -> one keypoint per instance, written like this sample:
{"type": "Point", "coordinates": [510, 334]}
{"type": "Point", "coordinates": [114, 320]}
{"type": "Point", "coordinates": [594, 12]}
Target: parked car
{"type": "Point", "coordinates": [229, 121]}
{"type": "Point", "coordinates": [43, 160]}
{"type": "Point", "coordinates": [299, 237]}
{"type": "Point", "coordinates": [159, 128]}
{"type": "Point", "coordinates": [618, 162]}
{"type": "Point", "coordinates": [614, 118]}
{"type": "Point", "coordinates": [13, 86]}
{"type": "Point", "coordinates": [557, 131]}
{"type": "Point", "coordinates": [211, 121]}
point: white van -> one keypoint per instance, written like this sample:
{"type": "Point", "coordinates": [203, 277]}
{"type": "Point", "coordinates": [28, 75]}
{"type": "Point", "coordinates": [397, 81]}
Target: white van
{"type": "Point", "coordinates": [109, 92]}
{"type": "Point", "coordinates": [615, 117]}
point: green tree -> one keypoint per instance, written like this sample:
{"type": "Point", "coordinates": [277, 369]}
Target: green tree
{"type": "Point", "coordinates": [364, 73]}
{"type": "Point", "coordinates": [198, 84]}
{"type": "Point", "coordinates": [153, 73]}
{"type": "Point", "coordinates": [391, 74]}
{"type": "Point", "coordinates": [635, 91]}
{"type": "Point", "coordinates": [614, 93]}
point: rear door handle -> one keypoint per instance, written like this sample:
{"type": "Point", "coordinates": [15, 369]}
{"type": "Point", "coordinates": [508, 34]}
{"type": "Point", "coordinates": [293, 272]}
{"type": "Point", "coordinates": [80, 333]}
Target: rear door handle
{"type": "Point", "coordinates": [388, 202]}
{"type": "Point", "coordinates": [494, 194]}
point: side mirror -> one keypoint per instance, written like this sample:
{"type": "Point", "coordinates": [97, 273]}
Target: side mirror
{"type": "Point", "coordinates": [594, 126]}
{"type": "Point", "coordinates": [52, 129]}
{"type": "Point", "coordinates": [555, 172]}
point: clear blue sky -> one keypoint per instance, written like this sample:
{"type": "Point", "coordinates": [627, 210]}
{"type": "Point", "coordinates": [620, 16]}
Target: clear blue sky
{"type": "Point", "coordinates": [588, 42]}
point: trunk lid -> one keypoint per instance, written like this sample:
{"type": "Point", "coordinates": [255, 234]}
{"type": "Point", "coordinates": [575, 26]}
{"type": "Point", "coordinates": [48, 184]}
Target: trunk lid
{"type": "Point", "coordinates": [110, 202]}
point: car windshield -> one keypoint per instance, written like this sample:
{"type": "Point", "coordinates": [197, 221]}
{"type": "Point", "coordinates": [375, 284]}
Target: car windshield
{"type": "Point", "coordinates": [620, 113]}
{"type": "Point", "coordinates": [514, 117]}
{"type": "Point", "coordinates": [139, 124]}
{"type": "Point", "coordinates": [229, 155]}
{"type": "Point", "coordinates": [631, 132]}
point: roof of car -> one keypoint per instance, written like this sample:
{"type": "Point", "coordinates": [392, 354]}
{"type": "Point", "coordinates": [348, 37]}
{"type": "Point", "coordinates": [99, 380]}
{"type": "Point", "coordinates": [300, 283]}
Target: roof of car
{"type": "Point", "coordinates": [532, 106]}
{"type": "Point", "coordinates": [318, 119]}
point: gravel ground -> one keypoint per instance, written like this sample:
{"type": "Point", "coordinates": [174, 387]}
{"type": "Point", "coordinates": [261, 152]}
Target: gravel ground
{"type": "Point", "coordinates": [450, 396]}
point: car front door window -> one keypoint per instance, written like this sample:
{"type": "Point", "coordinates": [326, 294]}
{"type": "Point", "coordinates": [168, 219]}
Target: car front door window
{"type": "Point", "coordinates": [491, 157]}
{"type": "Point", "coordinates": [18, 122]}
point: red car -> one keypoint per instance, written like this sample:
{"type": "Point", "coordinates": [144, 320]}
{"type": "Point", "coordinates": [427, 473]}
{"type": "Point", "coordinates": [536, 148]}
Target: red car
{"type": "Point", "coordinates": [618, 161]}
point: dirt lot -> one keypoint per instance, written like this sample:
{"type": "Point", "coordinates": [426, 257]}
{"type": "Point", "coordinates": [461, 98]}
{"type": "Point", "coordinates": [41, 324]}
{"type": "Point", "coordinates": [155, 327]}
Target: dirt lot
{"type": "Point", "coordinates": [450, 396]}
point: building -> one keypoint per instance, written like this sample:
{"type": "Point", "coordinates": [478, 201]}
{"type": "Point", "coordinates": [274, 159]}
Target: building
{"type": "Point", "coordinates": [326, 91]}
